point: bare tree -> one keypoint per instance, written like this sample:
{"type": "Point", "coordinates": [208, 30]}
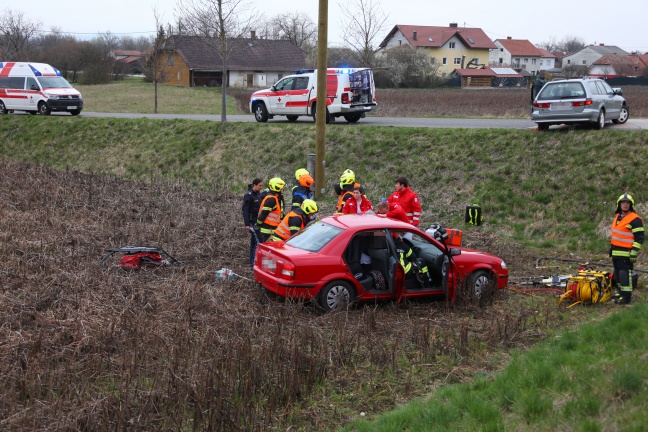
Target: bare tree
{"type": "Point", "coordinates": [16, 34]}
{"type": "Point", "coordinates": [296, 27]}
{"type": "Point", "coordinates": [221, 26]}
{"type": "Point", "coordinates": [155, 68]}
{"type": "Point", "coordinates": [364, 22]}
{"type": "Point", "coordinates": [571, 44]}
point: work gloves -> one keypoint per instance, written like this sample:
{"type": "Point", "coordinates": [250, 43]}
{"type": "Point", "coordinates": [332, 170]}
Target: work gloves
{"type": "Point", "coordinates": [634, 253]}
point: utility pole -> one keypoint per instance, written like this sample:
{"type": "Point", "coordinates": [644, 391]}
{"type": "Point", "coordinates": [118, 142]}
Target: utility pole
{"type": "Point", "coordinates": [320, 120]}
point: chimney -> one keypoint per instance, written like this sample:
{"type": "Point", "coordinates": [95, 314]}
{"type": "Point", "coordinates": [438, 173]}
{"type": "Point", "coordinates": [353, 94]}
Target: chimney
{"type": "Point", "coordinates": [454, 25]}
{"type": "Point", "coordinates": [414, 35]}
{"type": "Point", "coordinates": [253, 34]}
{"type": "Point", "coordinates": [509, 37]}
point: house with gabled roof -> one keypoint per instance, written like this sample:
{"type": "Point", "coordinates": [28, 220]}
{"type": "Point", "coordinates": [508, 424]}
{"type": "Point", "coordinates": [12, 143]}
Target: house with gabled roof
{"type": "Point", "coordinates": [612, 65]}
{"type": "Point", "coordinates": [588, 55]}
{"type": "Point", "coordinates": [516, 53]}
{"type": "Point", "coordinates": [253, 62]}
{"type": "Point", "coordinates": [547, 60]}
{"type": "Point", "coordinates": [449, 48]}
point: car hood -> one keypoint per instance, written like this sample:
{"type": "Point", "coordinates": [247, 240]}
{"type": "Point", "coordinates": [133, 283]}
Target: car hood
{"type": "Point", "coordinates": [61, 92]}
{"type": "Point", "coordinates": [472, 255]}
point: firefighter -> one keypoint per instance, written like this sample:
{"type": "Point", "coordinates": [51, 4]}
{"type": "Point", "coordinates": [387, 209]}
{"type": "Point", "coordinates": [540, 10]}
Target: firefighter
{"type": "Point", "coordinates": [302, 190]}
{"type": "Point", "coordinates": [627, 238]}
{"type": "Point", "coordinates": [295, 221]}
{"type": "Point", "coordinates": [417, 274]}
{"type": "Point", "coordinates": [345, 189]}
{"type": "Point", "coordinates": [271, 210]}
{"type": "Point", "coordinates": [251, 204]}
{"type": "Point", "coordinates": [358, 203]}
{"type": "Point", "coordinates": [407, 199]}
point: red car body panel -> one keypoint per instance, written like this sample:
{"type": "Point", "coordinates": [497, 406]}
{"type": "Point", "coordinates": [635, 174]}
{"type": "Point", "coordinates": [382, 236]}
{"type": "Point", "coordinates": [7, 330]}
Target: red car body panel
{"type": "Point", "coordinates": [300, 274]}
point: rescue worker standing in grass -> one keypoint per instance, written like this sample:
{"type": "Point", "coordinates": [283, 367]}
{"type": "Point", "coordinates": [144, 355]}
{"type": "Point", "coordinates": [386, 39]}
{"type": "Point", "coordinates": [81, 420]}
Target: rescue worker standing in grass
{"type": "Point", "coordinates": [627, 238]}
{"type": "Point", "coordinates": [251, 204]}
{"type": "Point", "coordinates": [295, 221]}
{"type": "Point", "coordinates": [271, 211]}
{"type": "Point", "coordinates": [407, 199]}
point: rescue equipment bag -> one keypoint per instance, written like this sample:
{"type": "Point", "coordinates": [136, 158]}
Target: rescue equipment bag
{"type": "Point", "coordinates": [474, 215]}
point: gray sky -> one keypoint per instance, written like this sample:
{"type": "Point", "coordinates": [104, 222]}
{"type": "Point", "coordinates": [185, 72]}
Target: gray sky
{"type": "Point", "coordinates": [619, 23]}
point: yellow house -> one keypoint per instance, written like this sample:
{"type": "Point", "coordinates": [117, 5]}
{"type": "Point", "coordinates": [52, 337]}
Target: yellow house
{"type": "Point", "coordinates": [449, 48]}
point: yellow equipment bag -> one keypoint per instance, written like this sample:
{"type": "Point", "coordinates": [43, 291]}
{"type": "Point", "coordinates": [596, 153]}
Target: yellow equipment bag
{"type": "Point", "coordinates": [588, 287]}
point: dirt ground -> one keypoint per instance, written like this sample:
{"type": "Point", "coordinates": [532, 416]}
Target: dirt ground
{"type": "Point", "coordinates": [89, 347]}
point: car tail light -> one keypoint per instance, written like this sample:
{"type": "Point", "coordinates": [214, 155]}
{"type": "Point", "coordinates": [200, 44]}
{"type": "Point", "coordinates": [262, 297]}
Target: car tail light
{"type": "Point", "coordinates": [582, 103]}
{"type": "Point", "coordinates": [288, 269]}
{"type": "Point", "coordinates": [345, 98]}
{"type": "Point", "coordinates": [540, 105]}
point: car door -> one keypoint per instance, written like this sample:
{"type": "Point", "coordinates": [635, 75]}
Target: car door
{"type": "Point", "coordinates": [613, 102]}
{"type": "Point", "coordinates": [299, 96]}
{"type": "Point", "coordinates": [280, 96]}
{"type": "Point", "coordinates": [15, 91]}
{"type": "Point", "coordinates": [32, 92]}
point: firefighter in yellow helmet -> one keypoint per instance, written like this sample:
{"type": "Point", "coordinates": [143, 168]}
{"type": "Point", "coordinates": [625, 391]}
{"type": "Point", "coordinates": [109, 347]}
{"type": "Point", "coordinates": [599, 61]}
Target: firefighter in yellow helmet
{"type": "Point", "coordinates": [271, 210]}
{"type": "Point", "coordinates": [345, 189]}
{"type": "Point", "coordinates": [295, 221]}
{"type": "Point", "coordinates": [627, 239]}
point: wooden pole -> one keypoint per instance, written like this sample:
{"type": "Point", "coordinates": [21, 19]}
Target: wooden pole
{"type": "Point", "coordinates": [320, 121]}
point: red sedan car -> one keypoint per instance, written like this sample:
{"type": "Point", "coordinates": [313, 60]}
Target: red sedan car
{"type": "Point", "coordinates": [341, 259]}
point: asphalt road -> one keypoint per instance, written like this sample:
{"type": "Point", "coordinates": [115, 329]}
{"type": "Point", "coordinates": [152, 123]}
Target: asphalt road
{"type": "Point", "coordinates": [632, 124]}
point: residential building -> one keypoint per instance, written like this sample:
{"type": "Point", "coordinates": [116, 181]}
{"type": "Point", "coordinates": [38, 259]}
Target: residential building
{"type": "Point", "coordinates": [586, 57]}
{"type": "Point", "coordinates": [610, 66]}
{"type": "Point", "coordinates": [547, 60]}
{"type": "Point", "coordinates": [449, 48]}
{"type": "Point", "coordinates": [253, 62]}
{"type": "Point", "coordinates": [516, 53]}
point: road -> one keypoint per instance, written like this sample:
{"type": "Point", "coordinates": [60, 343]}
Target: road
{"type": "Point", "coordinates": [452, 123]}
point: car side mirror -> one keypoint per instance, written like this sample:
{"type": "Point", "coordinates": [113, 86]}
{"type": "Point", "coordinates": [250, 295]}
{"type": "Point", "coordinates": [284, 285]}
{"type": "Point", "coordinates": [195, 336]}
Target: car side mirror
{"type": "Point", "coordinates": [617, 91]}
{"type": "Point", "coordinates": [273, 88]}
{"type": "Point", "coordinates": [34, 87]}
{"type": "Point", "coordinates": [455, 251]}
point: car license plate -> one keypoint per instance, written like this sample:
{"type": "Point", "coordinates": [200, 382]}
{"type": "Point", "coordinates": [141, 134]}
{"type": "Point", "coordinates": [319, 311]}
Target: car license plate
{"type": "Point", "coordinates": [561, 106]}
{"type": "Point", "coordinates": [71, 107]}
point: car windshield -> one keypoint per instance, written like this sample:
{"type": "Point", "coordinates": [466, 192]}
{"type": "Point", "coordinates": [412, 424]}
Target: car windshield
{"type": "Point", "coordinates": [53, 82]}
{"type": "Point", "coordinates": [315, 237]}
{"type": "Point", "coordinates": [566, 90]}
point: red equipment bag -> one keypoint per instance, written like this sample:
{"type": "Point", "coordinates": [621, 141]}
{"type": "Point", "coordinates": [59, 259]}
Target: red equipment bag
{"type": "Point", "coordinates": [142, 259]}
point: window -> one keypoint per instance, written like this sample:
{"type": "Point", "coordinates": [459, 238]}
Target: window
{"type": "Point", "coordinates": [170, 59]}
{"type": "Point", "coordinates": [501, 49]}
{"type": "Point", "coordinates": [584, 62]}
{"type": "Point", "coordinates": [445, 60]}
{"type": "Point", "coordinates": [526, 60]}
{"type": "Point", "coordinates": [432, 60]}
{"type": "Point", "coordinates": [475, 60]}
{"type": "Point", "coordinates": [568, 61]}
{"type": "Point", "coordinates": [32, 84]}
{"type": "Point", "coordinates": [533, 61]}
{"type": "Point", "coordinates": [180, 75]}
{"type": "Point", "coordinates": [451, 45]}
{"type": "Point", "coordinates": [457, 60]}
{"type": "Point", "coordinates": [501, 60]}
{"type": "Point", "coordinates": [301, 83]}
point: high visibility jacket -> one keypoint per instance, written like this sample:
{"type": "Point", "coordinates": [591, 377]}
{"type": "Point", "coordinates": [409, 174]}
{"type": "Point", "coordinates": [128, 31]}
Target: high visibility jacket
{"type": "Point", "coordinates": [271, 212]}
{"type": "Point", "coordinates": [291, 224]}
{"type": "Point", "coordinates": [409, 201]}
{"type": "Point", "coordinates": [627, 234]}
{"type": "Point", "coordinates": [299, 194]}
{"type": "Point", "coordinates": [351, 206]}
{"type": "Point", "coordinates": [345, 193]}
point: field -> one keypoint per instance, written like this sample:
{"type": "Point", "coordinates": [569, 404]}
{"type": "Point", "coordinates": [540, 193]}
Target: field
{"type": "Point", "coordinates": [92, 348]}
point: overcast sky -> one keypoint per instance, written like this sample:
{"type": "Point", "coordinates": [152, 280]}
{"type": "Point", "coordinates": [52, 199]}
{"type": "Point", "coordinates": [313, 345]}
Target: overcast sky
{"type": "Point", "coordinates": [595, 21]}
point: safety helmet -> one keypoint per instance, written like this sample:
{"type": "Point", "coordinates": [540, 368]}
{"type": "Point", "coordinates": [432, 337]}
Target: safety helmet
{"type": "Point", "coordinates": [276, 184]}
{"type": "Point", "coordinates": [347, 177]}
{"type": "Point", "coordinates": [309, 206]}
{"type": "Point", "coordinates": [306, 180]}
{"type": "Point", "coordinates": [625, 197]}
{"type": "Point", "coordinates": [300, 172]}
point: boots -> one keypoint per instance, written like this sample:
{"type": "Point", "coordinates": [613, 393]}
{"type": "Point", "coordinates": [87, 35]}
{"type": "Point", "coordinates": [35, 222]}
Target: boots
{"type": "Point", "coordinates": [625, 298]}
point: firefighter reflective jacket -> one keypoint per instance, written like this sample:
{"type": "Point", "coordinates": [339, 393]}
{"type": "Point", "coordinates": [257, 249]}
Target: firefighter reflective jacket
{"type": "Point", "coordinates": [627, 235]}
{"type": "Point", "coordinates": [271, 212]}
{"type": "Point", "coordinates": [291, 224]}
{"type": "Point", "coordinates": [409, 201]}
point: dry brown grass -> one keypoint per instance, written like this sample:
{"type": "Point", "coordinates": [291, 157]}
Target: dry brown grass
{"type": "Point", "coordinates": [88, 348]}
{"type": "Point", "coordinates": [509, 103]}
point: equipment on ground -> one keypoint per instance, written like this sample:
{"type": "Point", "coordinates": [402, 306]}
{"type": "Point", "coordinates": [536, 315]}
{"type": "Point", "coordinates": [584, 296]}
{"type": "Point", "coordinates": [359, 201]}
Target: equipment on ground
{"type": "Point", "coordinates": [137, 257]}
{"type": "Point", "coordinates": [588, 287]}
{"type": "Point", "coordinates": [474, 215]}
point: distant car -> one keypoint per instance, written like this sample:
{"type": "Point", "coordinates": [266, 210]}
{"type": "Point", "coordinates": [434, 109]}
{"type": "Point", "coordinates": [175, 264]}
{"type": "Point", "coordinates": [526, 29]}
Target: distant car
{"type": "Point", "coordinates": [583, 100]}
{"type": "Point", "coordinates": [346, 258]}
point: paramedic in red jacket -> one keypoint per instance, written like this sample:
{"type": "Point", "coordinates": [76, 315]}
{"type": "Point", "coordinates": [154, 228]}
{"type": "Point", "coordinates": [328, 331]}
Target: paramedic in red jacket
{"type": "Point", "coordinates": [358, 204]}
{"type": "Point", "coordinates": [407, 199]}
{"type": "Point", "coordinates": [392, 211]}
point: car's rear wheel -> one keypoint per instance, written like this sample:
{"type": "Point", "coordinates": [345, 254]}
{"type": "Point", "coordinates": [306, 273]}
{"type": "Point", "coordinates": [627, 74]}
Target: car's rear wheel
{"type": "Point", "coordinates": [33, 112]}
{"type": "Point", "coordinates": [3, 108]}
{"type": "Point", "coordinates": [260, 113]}
{"type": "Point", "coordinates": [543, 127]}
{"type": "Point", "coordinates": [623, 116]}
{"type": "Point", "coordinates": [336, 295]}
{"type": "Point", "coordinates": [43, 109]}
{"type": "Point", "coordinates": [292, 118]}
{"type": "Point", "coordinates": [600, 121]}
{"type": "Point", "coordinates": [352, 118]}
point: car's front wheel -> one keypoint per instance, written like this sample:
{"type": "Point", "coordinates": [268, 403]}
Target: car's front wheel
{"type": "Point", "coordinates": [260, 113]}
{"type": "Point", "coordinates": [624, 115]}
{"type": "Point", "coordinates": [600, 121]}
{"type": "Point", "coordinates": [336, 295]}
{"type": "Point", "coordinates": [75, 112]}
{"type": "Point", "coordinates": [43, 109]}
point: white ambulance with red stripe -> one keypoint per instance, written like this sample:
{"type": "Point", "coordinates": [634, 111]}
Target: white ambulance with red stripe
{"type": "Point", "coordinates": [36, 88]}
{"type": "Point", "coordinates": [350, 93]}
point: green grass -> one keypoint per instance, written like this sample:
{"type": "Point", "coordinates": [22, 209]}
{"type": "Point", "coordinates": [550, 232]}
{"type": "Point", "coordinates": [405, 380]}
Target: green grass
{"type": "Point", "coordinates": [591, 379]}
{"type": "Point", "coordinates": [133, 95]}
{"type": "Point", "coordinates": [550, 191]}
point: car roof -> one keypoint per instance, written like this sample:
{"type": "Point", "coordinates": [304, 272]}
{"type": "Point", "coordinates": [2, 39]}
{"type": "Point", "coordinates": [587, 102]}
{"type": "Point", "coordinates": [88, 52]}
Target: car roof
{"type": "Point", "coordinates": [365, 221]}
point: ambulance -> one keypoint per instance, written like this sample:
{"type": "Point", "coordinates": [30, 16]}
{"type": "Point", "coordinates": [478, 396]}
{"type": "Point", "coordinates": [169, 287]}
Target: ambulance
{"type": "Point", "coordinates": [350, 93]}
{"type": "Point", "coordinates": [36, 88]}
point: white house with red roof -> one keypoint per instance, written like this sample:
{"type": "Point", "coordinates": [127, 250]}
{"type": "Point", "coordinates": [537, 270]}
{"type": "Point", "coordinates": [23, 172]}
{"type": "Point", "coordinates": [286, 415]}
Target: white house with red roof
{"type": "Point", "coordinates": [612, 65]}
{"type": "Point", "coordinates": [516, 53]}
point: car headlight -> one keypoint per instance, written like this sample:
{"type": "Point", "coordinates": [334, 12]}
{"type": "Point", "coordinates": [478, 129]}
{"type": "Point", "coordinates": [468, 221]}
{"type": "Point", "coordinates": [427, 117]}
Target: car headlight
{"type": "Point", "coordinates": [55, 97]}
{"type": "Point", "coordinates": [503, 264]}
